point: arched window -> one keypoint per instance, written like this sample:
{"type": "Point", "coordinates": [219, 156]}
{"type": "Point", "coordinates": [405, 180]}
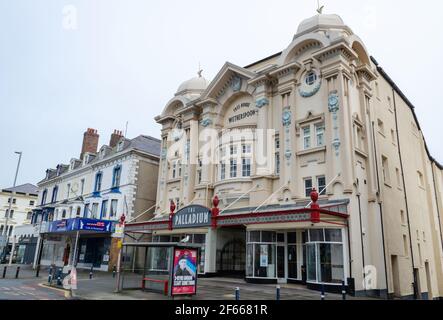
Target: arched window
{"type": "Point", "coordinates": [54, 194]}
{"type": "Point", "coordinates": [44, 195]}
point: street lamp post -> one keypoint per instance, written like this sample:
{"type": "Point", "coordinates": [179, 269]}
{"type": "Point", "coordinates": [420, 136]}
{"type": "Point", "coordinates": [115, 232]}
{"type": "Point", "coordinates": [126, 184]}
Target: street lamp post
{"type": "Point", "coordinates": [5, 231]}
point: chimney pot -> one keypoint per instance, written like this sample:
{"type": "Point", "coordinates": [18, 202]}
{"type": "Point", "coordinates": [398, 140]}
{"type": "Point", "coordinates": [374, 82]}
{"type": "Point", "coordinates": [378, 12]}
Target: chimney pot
{"type": "Point", "coordinates": [115, 138]}
{"type": "Point", "coordinates": [90, 142]}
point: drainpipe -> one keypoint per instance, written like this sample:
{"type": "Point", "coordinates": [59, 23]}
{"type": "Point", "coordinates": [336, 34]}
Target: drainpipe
{"type": "Point", "coordinates": [362, 241]}
{"type": "Point", "coordinates": [406, 198]}
{"type": "Point", "coordinates": [349, 250]}
{"type": "Point", "coordinates": [438, 207]}
{"type": "Point", "coordinates": [380, 209]}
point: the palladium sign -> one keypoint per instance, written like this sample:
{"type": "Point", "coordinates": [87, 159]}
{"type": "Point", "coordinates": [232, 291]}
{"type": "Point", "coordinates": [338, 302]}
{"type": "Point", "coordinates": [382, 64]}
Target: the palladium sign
{"type": "Point", "coordinates": [191, 217]}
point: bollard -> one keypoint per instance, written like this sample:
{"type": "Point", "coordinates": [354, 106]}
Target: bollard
{"type": "Point", "coordinates": [4, 271]}
{"type": "Point", "coordinates": [17, 272]}
{"type": "Point", "coordinates": [50, 275]}
{"type": "Point", "coordinates": [343, 290]}
{"type": "Point", "coordinates": [37, 273]}
{"type": "Point", "coordinates": [322, 292]}
{"type": "Point", "coordinates": [59, 277]}
{"type": "Point", "coordinates": [278, 293]}
{"type": "Point", "coordinates": [237, 293]}
{"type": "Point", "coordinates": [91, 272]}
{"type": "Point", "coordinates": [114, 271]}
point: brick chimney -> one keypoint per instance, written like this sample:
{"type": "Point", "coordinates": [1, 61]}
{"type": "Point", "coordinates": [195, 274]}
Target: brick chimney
{"type": "Point", "coordinates": [115, 138]}
{"type": "Point", "coordinates": [90, 142]}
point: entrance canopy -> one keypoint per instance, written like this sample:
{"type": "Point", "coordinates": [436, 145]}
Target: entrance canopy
{"type": "Point", "coordinates": [333, 212]}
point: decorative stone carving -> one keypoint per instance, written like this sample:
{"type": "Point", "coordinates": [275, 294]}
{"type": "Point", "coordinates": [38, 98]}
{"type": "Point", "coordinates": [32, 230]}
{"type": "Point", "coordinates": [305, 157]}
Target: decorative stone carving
{"type": "Point", "coordinates": [334, 107]}
{"type": "Point", "coordinates": [333, 104]}
{"type": "Point", "coordinates": [309, 93]}
{"type": "Point", "coordinates": [260, 103]}
{"type": "Point", "coordinates": [206, 122]}
{"type": "Point", "coordinates": [236, 83]}
{"type": "Point", "coordinates": [177, 134]}
{"type": "Point", "coordinates": [287, 118]}
{"type": "Point", "coordinates": [310, 85]}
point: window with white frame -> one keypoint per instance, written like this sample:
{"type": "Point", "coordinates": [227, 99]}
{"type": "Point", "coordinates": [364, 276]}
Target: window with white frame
{"type": "Point", "coordinates": [246, 148]}
{"type": "Point", "coordinates": [222, 171]}
{"type": "Point", "coordinates": [116, 176]}
{"type": "Point", "coordinates": [233, 168]}
{"type": "Point", "coordinates": [320, 134]}
{"type": "Point", "coordinates": [177, 204]}
{"type": "Point", "coordinates": [246, 167]}
{"type": "Point", "coordinates": [113, 209]}
{"type": "Point", "coordinates": [321, 185]}
{"type": "Point", "coordinates": [232, 149]}
{"type": "Point", "coordinates": [94, 212]}
{"type": "Point", "coordinates": [308, 186]}
{"type": "Point", "coordinates": [174, 170]}
{"type": "Point", "coordinates": [306, 137]}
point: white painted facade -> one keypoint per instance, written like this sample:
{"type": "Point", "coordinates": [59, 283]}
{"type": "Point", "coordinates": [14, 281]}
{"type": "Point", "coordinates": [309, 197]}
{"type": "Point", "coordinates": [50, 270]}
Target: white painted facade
{"type": "Point", "coordinates": [21, 210]}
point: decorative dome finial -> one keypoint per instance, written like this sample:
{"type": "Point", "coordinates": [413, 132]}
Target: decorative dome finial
{"type": "Point", "coordinates": [319, 9]}
{"type": "Point", "coordinates": [200, 70]}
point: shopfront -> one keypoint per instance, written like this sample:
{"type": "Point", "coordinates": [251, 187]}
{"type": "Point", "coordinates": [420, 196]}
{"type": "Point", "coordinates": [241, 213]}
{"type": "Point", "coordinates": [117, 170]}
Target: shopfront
{"type": "Point", "coordinates": [308, 256]}
{"type": "Point", "coordinates": [296, 245]}
{"type": "Point", "coordinates": [93, 248]}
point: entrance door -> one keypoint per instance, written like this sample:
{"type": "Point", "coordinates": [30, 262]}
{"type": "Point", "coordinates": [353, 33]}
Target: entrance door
{"type": "Point", "coordinates": [66, 254]}
{"type": "Point", "coordinates": [232, 258]}
{"type": "Point", "coordinates": [281, 272]}
{"type": "Point", "coordinates": [281, 257]}
{"type": "Point", "coordinates": [428, 279]}
{"type": "Point", "coordinates": [396, 276]}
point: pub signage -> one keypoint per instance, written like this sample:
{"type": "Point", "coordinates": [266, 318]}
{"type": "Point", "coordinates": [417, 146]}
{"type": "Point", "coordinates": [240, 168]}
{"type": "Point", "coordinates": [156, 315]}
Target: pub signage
{"type": "Point", "coordinates": [245, 112]}
{"type": "Point", "coordinates": [191, 217]}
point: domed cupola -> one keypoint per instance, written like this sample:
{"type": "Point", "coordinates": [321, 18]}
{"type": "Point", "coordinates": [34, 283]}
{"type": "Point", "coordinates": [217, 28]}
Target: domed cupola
{"type": "Point", "coordinates": [321, 22]}
{"type": "Point", "coordinates": [194, 86]}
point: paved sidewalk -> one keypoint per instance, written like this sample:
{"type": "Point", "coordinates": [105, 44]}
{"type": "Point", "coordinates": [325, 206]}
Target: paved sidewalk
{"type": "Point", "coordinates": [102, 287]}
{"type": "Point", "coordinates": [26, 271]}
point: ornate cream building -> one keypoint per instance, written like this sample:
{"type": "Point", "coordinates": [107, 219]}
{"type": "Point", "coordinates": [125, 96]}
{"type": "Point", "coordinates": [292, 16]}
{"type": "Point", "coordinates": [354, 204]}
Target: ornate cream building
{"type": "Point", "coordinates": [331, 119]}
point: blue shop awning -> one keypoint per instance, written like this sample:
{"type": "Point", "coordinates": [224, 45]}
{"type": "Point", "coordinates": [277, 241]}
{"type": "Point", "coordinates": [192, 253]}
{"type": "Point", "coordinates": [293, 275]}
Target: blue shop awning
{"type": "Point", "coordinates": [81, 224]}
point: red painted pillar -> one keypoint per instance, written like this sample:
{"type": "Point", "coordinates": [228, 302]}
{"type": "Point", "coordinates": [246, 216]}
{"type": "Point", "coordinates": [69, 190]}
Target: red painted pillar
{"type": "Point", "coordinates": [315, 215]}
{"type": "Point", "coordinates": [215, 212]}
{"type": "Point", "coordinates": [171, 214]}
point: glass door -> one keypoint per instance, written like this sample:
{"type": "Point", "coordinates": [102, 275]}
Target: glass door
{"type": "Point", "coordinates": [281, 258]}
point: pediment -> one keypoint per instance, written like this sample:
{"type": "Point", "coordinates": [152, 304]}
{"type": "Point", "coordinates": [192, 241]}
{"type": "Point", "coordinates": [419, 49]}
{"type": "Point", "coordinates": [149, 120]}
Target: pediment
{"type": "Point", "coordinates": [230, 77]}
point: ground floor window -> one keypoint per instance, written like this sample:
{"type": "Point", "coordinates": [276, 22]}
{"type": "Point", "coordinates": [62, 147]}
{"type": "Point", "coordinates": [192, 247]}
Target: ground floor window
{"type": "Point", "coordinates": [324, 255]}
{"type": "Point", "coordinates": [315, 255]}
{"type": "Point", "coordinates": [261, 254]}
{"type": "Point", "coordinates": [193, 238]}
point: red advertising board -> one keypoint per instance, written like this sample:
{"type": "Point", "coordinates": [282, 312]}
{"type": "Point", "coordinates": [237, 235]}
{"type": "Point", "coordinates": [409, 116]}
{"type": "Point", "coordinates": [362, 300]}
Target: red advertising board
{"type": "Point", "coordinates": [184, 273]}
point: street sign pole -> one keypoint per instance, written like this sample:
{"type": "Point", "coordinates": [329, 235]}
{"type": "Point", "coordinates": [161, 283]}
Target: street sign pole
{"type": "Point", "coordinates": [120, 247]}
{"type": "Point", "coordinates": [5, 230]}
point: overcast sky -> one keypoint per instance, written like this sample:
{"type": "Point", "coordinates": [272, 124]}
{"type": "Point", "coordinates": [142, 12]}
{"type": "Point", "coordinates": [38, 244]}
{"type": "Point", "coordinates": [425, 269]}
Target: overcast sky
{"type": "Point", "coordinates": [123, 60]}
